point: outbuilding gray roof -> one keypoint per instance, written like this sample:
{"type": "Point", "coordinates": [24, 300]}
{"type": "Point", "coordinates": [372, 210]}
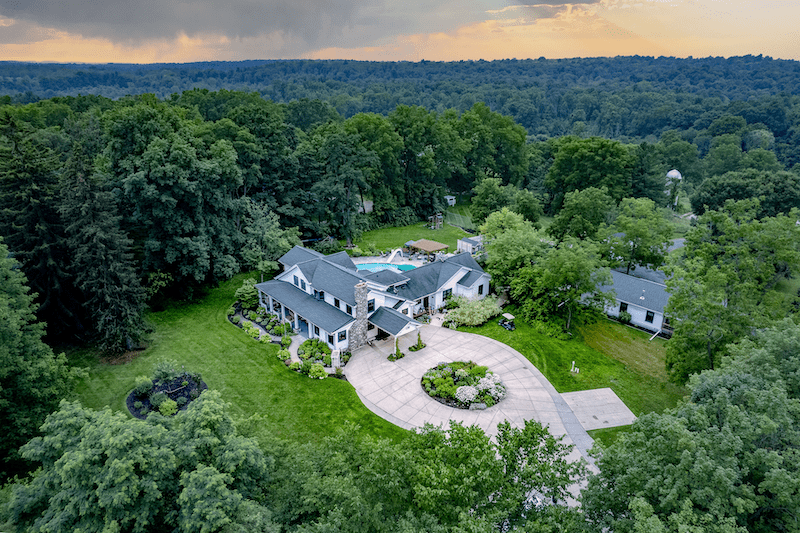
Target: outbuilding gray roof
{"type": "Point", "coordinates": [314, 311]}
{"type": "Point", "coordinates": [391, 321]}
{"type": "Point", "coordinates": [636, 291]}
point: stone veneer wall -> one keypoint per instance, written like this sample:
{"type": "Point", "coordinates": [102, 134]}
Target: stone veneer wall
{"type": "Point", "coordinates": [358, 331]}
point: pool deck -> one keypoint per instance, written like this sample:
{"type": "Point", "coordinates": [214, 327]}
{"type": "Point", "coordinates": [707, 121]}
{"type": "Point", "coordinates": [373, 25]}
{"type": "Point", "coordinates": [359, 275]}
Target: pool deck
{"type": "Point", "coordinates": [398, 260]}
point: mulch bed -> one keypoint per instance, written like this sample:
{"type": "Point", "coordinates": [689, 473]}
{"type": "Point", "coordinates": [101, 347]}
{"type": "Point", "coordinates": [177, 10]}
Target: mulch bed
{"type": "Point", "coordinates": [173, 389]}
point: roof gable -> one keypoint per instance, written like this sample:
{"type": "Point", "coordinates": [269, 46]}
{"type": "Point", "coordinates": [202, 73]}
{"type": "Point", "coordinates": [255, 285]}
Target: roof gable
{"type": "Point", "coordinates": [637, 291]}
{"type": "Point", "coordinates": [298, 254]}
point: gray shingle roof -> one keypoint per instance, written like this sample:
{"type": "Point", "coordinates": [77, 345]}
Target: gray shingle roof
{"type": "Point", "coordinates": [391, 321]}
{"type": "Point", "coordinates": [341, 259]}
{"type": "Point", "coordinates": [333, 279]}
{"type": "Point", "coordinates": [429, 278]}
{"type": "Point", "coordinates": [465, 259]}
{"type": "Point", "coordinates": [298, 254]}
{"type": "Point", "coordinates": [470, 279]}
{"type": "Point", "coordinates": [387, 277]}
{"type": "Point", "coordinates": [314, 311]}
{"type": "Point", "coordinates": [630, 289]}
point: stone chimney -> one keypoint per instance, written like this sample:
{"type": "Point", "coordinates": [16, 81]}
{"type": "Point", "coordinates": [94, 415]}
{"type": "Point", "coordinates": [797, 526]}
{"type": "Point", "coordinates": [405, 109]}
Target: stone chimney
{"type": "Point", "coordinates": [358, 331]}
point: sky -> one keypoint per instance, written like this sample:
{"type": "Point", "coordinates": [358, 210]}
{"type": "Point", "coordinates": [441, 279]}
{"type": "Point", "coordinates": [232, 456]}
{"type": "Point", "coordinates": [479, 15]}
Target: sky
{"type": "Point", "coordinates": [150, 31]}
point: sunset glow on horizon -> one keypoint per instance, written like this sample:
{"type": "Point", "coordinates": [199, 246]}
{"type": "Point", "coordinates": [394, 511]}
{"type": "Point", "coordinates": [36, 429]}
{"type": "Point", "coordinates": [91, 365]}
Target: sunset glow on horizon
{"type": "Point", "coordinates": [150, 32]}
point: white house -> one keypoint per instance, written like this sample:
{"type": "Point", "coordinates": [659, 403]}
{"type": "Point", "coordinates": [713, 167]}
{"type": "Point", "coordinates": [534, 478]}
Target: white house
{"type": "Point", "coordinates": [470, 245]}
{"type": "Point", "coordinates": [327, 297]}
{"type": "Point", "coordinates": [643, 299]}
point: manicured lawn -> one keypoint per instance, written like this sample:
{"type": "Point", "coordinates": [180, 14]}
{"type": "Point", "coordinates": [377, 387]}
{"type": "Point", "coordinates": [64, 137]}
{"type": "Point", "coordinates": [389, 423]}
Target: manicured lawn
{"type": "Point", "coordinates": [607, 436]}
{"type": "Point", "coordinates": [607, 354]}
{"type": "Point", "coordinates": [387, 238]}
{"type": "Point", "coordinates": [249, 375]}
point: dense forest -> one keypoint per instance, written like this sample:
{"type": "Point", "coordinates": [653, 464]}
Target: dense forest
{"type": "Point", "coordinates": [124, 187]}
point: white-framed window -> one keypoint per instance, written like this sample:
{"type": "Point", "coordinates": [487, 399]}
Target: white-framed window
{"type": "Point", "coordinates": [342, 336]}
{"type": "Point", "coordinates": [649, 317]}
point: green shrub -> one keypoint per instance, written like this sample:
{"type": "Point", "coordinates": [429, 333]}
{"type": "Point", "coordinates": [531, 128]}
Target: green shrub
{"type": "Point", "coordinates": [138, 405]}
{"type": "Point", "coordinates": [317, 371]}
{"type": "Point", "coordinates": [236, 319]}
{"type": "Point", "coordinates": [625, 317]}
{"type": "Point", "coordinates": [326, 360]}
{"type": "Point", "coordinates": [294, 366]}
{"type": "Point", "coordinates": [286, 341]}
{"type": "Point", "coordinates": [157, 399]}
{"type": "Point", "coordinates": [305, 367]}
{"type": "Point", "coordinates": [144, 411]}
{"type": "Point", "coordinates": [477, 371]}
{"type": "Point", "coordinates": [247, 294]}
{"type": "Point", "coordinates": [165, 370]}
{"type": "Point", "coordinates": [182, 400]}
{"type": "Point", "coordinates": [284, 354]}
{"type": "Point", "coordinates": [194, 394]}
{"type": "Point", "coordinates": [184, 383]}
{"type": "Point", "coordinates": [143, 386]}
{"type": "Point", "coordinates": [168, 407]}
{"type": "Point", "coordinates": [231, 311]}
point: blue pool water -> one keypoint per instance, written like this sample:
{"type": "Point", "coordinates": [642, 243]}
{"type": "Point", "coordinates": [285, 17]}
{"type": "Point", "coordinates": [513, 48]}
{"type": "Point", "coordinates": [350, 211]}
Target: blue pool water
{"type": "Point", "coordinates": [375, 267]}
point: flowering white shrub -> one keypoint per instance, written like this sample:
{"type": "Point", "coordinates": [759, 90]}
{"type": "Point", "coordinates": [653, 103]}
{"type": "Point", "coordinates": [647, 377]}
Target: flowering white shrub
{"type": "Point", "coordinates": [473, 312]}
{"type": "Point", "coordinates": [489, 381]}
{"type": "Point", "coordinates": [462, 374]}
{"type": "Point", "coordinates": [466, 394]}
{"type": "Point", "coordinates": [493, 385]}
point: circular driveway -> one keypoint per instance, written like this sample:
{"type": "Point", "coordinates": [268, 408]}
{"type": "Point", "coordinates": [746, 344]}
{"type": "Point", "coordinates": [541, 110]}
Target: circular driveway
{"type": "Point", "coordinates": [392, 390]}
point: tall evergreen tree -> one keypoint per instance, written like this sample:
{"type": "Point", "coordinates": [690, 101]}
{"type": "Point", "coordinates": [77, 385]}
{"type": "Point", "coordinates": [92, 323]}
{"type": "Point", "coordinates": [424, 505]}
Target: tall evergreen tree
{"type": "Point", "coordinates": [32, 378]}
{"type": "Point", "coordinates": [30, 223]}
{"type": "Point", "coordinates": [102, 263]}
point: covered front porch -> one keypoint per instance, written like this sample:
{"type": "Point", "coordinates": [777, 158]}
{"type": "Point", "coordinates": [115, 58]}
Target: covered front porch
{"type": "Point", "coordinates": [309, 317]}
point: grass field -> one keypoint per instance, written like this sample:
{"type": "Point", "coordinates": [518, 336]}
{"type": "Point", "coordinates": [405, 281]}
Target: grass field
{"type": "Point", "coordinates": [288, 405]}
{"type": "Point", "coordinates": [249, 375]}
{"type": "Point", "coordinates": [390, 238]}
{"type": "Point", "coordinates": [608, 355]}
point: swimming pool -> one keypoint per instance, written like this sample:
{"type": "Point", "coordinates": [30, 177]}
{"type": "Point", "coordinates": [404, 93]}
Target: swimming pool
{"type": "Point", "coordinates": [376, 267]}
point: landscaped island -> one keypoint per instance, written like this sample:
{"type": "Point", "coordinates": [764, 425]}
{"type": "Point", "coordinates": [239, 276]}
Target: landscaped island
{"type": "Point", "coordinates": [463, 385]}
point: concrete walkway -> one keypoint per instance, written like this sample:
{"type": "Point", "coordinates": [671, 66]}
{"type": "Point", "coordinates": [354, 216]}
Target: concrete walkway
{"type": "Point", "coordinates": [392, 390]}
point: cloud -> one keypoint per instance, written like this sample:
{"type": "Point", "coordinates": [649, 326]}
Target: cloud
{"type": "Point", "coordinates": [290, 27]}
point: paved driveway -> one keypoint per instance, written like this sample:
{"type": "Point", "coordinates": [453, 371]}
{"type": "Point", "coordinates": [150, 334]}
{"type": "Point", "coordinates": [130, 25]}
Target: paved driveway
{"type": "Point", "coordinates": [392, 390]}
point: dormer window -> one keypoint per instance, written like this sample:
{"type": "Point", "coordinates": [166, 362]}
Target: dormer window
{"type": "Point", "coordinates": [303, 284]}
{"type": "Point", "coordinates": [296, 281]}
{"type": "Point", "coordinates": [349, 310]}
{"type": "Point", "coordinates": [336, 303]}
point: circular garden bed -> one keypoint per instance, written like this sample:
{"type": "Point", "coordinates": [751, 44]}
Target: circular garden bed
{"type": "Point", "coordinates": [463, 385]}
{"type": "Point", "coordinates": [168, 391]}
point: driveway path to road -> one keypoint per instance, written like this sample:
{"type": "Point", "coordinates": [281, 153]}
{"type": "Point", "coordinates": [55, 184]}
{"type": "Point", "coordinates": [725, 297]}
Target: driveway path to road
{"type": "Point", "coordinates": [392, 390]}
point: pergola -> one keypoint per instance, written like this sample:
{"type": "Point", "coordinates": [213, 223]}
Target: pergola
{"type": "Point", "coordinates": [429, 247]}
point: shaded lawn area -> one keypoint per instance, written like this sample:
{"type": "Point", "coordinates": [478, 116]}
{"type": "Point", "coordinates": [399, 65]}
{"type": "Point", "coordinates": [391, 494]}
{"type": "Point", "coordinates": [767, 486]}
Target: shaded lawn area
{"type": "Point", "coordinates": [608, 436]}
{"type": "Point", "coordinates": [608, 354]}
{"type": "Point", "coordinates": [249, 375]}
{"type": "Point", "coordinates": [387, 238]}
